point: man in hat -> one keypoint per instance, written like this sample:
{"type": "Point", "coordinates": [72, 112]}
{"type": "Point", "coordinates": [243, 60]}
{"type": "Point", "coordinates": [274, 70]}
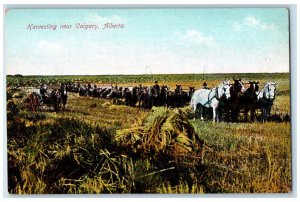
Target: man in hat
{"type": "Point", "coordinates": [205, 86]}
{"type": "Point", "coordinates": [43, 91]}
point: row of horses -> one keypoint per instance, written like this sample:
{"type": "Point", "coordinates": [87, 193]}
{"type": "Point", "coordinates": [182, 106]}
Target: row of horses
{"type": "Point", "coordinates": [142, 96]}
{"type": "Point", "coordinates": [231, 99]}
{"type": "Point", "coordinates": [226, 100]}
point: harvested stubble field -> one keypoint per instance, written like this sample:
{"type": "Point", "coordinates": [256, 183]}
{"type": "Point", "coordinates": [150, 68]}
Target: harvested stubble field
{"type": "Point", "coordinates": [95, 146]}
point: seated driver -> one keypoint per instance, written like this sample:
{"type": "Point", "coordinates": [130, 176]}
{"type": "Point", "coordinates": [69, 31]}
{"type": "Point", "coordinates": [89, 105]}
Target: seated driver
{"type": "Point", "coordinates": [43, 91]}
{"type": "Point", "coordinates": [205, 85]}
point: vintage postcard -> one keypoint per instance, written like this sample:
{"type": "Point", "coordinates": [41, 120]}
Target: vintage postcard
{"type": "Point", "coordinates": [148, 100]}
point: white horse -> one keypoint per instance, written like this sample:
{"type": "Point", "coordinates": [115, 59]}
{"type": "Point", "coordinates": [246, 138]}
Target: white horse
{"type": "Point", "coordinates": [265, 99]}
{"type": "Point", "coordinates": [211, 98]}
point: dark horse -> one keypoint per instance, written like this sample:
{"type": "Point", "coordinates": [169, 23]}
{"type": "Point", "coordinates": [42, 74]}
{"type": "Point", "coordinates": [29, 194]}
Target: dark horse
{"type": "Point", "coordinates": [163, 97]}
{"type": "Point", "coordinates": [191, 91]}
{"type": "Point", "coordinates": [178, 96]}
{"type": "Point", "coordinates": [131, 96]}
{"type": "Point", "coordinates": [232, 106]}
{"type": "Point", "coordinates": [249, 99]}
{"type": "Point", "coordinates": [58, 98]}
{"type": "Point", "coordinates": [144, 98]}
{"type": "Point", "coordinates": [55, 100]}
{"type": "Point", "coordinates": [155, 95]}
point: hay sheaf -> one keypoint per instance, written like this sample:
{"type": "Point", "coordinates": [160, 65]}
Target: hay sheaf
{"type": "Point", "coordinates": [166, 131]}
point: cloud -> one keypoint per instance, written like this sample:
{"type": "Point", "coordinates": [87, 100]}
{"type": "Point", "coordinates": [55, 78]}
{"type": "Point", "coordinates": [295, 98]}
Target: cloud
{"type": "Point", "coordinates": [252, 22]}
{"type": "Point", "coordinates": [196, 37]}
{"type": "Point", "coordinates": [48, 47]}
{"type": "Point", "coordinates": [104, 19]}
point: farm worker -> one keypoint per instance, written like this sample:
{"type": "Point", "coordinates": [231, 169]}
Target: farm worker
{"type": "Point", "coordinates": [205, 85]}
{"type": "Point", "coordinates": [43, 91]}
{"type": "Point", "coordinates": [140, 87]}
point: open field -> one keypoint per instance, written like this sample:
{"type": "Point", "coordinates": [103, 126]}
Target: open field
{"type": "Point", "coordinates": [94, 146]}
{"type": "Point", "coordinates": [131, 80]}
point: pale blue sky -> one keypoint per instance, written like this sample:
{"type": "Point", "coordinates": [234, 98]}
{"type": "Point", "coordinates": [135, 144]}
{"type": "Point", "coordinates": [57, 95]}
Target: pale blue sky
{"type": "Point", "coordinates": [166, 40]}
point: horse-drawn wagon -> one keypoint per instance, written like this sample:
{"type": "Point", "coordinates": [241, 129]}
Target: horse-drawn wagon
{"type": "Point", "coordinates": [55, 100]}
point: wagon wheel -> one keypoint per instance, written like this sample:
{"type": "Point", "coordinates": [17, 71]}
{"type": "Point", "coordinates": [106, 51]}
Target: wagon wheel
{"type": "Point", "coordinates": [58, 106]}
{"type": "Point", "coordinates": [30, 103]}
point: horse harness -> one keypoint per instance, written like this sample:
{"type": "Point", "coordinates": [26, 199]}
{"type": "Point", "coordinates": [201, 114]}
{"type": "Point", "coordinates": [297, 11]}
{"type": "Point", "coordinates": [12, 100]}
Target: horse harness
{"type": "Point", "coordinates": [215, 96]}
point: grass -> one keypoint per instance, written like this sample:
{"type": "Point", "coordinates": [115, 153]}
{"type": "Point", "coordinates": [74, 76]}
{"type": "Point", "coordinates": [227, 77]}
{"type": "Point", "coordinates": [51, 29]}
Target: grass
{"type": "Point", "coordinates": [63, 155]}
{"type": "Point", "coordinates": [105, 113]}
{"type": "Point", "coordinates": [96, 147]}
{"type": "Point", "coordinates": [247, 158]}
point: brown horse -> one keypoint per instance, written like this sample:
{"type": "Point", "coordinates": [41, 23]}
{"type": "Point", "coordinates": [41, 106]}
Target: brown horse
{"type": "Point", "coordinates": [55, 100]}
{"type": "Point", "coordinates": [249, 99]}
{"type": "Point", "coordinates": [232, 106]}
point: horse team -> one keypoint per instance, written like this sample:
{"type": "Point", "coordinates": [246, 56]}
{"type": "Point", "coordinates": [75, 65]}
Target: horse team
{"type": "Point", "coordinates": [231, 99]}
{"type": "Point", "coordinates": [226, 100]}
{"type": "Point", "coordinates": [57, 98]}
{"type": "Point", "coordinates": [142, 96]}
